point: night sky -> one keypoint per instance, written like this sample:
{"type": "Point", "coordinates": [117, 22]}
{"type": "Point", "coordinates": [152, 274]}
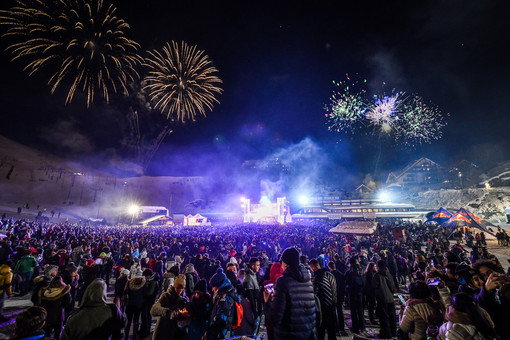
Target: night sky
{"type": "Point", "coordinates": [277, 61]}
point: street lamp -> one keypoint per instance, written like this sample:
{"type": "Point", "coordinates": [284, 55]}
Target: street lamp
{"type": "Point", "coordinates": [460, 178]}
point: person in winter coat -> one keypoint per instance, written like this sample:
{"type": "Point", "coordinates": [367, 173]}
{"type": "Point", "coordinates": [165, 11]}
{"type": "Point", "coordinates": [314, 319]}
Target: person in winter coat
{"type": "Point", "coordinates": [231, 273]}
{"type": "Point", "coordinates": [324, 286]}
{"type": "Point", "coordinates": [120, 285]}
{"type": "Point", "coordinates": [355, 283]}
{"type": "Point", "coordinates": [5, 286]}
{"type": "Point", "coordinates": [150, 291]}
{"type": "Point", "coordinates": [54, 298]}
{"type": "Point", "coordinates": [70, 277]}
{"type": "Point", "coordinates": [465, 319]}
{"type": "Point", "coordinates": [41, 281]}
{"type": "Point", "coordinates": [167, 309]}
{"type": "Point", "coordinates": [136, 268]}
{"type": "Point", "coordinates": [291, 308]}
{"type": "Point", "coordinates": [420, 312]}
{"type": "Point", "coordinates": [199, 309]}
{"type": "Point", "coordinates": [191, 279]}
{"type": "Point", "coordinates": [370, 292]}
{"type": "Point", "coordinates": [275, 272]}
{"type": "Point", "coordinates": [223, 308]}
{"type": "Point", "coordinates": [494, 295]}
{"type": "Point", "coordinates": [87, 276]}
{"type": "Point", "coordinates": [169, 277]}
{"type": "Point", "coordinates": [392, 266]}
{"type": "Point", "coordinates": [95, 319]}
{"type": "Point", "coordinates": [133, 295]}
{"type": "Point", "coordinates": [251, 288]}
{"type": "Point", "coordinates": [340, 293]}
{"type": "Point", "coordinates": [107, 268]}
{"type": "Point", "coordinates": [25, 268]}
{"type": "Point", "coordinates": [384, 288]}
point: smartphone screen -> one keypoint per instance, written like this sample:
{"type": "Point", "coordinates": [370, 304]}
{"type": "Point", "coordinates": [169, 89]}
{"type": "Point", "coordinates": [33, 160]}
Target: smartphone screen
{"type": "Point", "coordinates": [433, 282]}
{"type": "Point", "coordinates": [269, 288]}
{"type": "Point", "coordinates": [402, 299]}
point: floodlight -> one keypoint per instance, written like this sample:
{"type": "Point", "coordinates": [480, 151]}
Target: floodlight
{"type": "Point", "coordinates": [384, 196]}
{"type": "Point", "coordinates": [133, 209]}
{"type": "Point", "coordinates": [303, 199]}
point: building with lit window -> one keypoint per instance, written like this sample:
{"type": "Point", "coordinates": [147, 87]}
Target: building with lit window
{"type": "Point", "coordinates": [421, 174]}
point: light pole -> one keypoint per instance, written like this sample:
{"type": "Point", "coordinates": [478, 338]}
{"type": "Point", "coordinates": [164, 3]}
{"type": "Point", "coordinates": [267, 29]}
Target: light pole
{"type": "Point", "coordinates": [460, 178]}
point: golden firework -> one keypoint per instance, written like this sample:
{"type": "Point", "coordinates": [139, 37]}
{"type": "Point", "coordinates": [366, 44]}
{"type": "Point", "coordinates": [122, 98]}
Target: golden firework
{"type": "Point", "coordinates": [80, 43]}
{"type": "Point", "coordinates": [181, 81]}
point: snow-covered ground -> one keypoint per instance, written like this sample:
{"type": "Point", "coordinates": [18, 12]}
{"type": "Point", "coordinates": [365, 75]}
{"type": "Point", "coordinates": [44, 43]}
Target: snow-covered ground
{"type": "Point", "coordinates": [486, 203]}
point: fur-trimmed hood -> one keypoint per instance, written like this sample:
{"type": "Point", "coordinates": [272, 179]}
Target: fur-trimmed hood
{"type": "Point", "coordinates": [53, 294]}
{"type": "Point", "coordinates": [168, 275]}
{"type": "Point", "coordinates": [136, 283]}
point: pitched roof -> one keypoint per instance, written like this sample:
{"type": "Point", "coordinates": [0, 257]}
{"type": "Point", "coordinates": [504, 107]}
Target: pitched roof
{"type": "Point", "coordinates": [411, 165]}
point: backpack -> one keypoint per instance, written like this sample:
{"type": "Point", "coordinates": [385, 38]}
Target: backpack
{"type": "Point", "coordinates": [238, 313]}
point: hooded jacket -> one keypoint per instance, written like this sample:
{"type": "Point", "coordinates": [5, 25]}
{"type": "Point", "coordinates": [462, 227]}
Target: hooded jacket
{"type": "Point", "coordinates": [459, 326]}
{"type": "Point", "coordinates": [383, 286]}
{"type": "Point", "coordinates": [292, 310]}
{"type": "Point", "coordinates": [251, 290]}
{"type": "Point", "coordinates": [134, 292]}
{"type": "Point", "coordinates": [95, 319]}
{"type": "Point", "coordinates": [418, 315]}
{"type": "Point", "coordinates": [54, 300]}
{"type": "Point", "coordinates": [5, 279]}
{"type": "Point", "coordinates": [168, 303]}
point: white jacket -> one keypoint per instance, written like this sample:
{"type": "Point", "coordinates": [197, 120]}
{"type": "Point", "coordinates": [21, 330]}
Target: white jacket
{"type": "Point", "coordinates": [458, 331]}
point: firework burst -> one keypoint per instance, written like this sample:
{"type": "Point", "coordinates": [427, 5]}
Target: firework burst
{"type": "Point", "coordinates": [384, 112]}
{"type": "Point", "coordinates": [81, 43]}
{"type": "Point", "coordinates": [419, 122]}
{"type": "Point", "coordinates": [181, 81]}
{"type": "Point", "coordinates": [346, 107]}
{"type": "Point", "coordinates": [408, 119]}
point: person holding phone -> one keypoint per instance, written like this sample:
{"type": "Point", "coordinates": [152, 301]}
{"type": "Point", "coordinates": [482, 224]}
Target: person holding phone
{"type": "Point", "coordinates": [419, 311]}
{"type": "Point", "coordinates": [291, 309]}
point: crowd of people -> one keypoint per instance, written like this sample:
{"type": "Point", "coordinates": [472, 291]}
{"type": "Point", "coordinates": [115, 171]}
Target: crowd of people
{"type": "Point", "coordinates": [211, 283]}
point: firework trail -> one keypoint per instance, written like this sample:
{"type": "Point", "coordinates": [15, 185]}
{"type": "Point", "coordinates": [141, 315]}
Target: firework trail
{"type": "Point", "coordinates": [181, 81]}
{"type": "Point", "coordinates": [81, 43]}
{"type": "Point", "coordinates": [408, 119]}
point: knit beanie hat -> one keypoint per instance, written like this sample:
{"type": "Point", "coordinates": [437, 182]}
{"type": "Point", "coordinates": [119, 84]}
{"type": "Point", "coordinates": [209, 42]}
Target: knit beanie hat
{"type": "Point", "coordinates": [201, 286]}
{"type": "Point", "coordinates": [180, 281]}
{"type": "Point", "coordinates": [218, 278]}
{"type": "Point", "coordinates": [125, 271]}
{"type": "Point", "coordinates": [291, 257]}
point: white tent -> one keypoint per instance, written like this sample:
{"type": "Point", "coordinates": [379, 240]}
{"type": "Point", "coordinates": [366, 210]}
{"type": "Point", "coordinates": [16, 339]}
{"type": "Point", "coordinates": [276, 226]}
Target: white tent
{"type": "Point", "coordinates": [197, 220]}
{"type": "Point", "coordinates": [355, 228]}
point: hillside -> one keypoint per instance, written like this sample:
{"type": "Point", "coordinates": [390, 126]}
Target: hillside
{"type": "Point", "coordinates": [48, 183]}
{"type": "Point", "coordinates": [487, 203]}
